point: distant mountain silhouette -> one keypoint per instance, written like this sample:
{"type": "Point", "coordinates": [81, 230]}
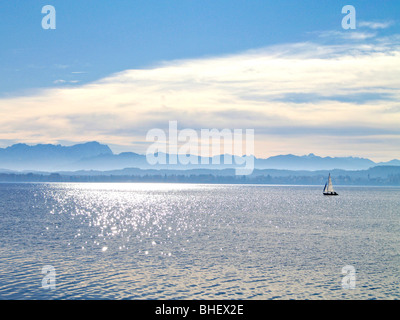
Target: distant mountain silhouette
{"type": "Point", "coordinates": [313, 162]}
{"type": "Point", "coordinates": [394, 162]}
{"type": "Point", "coordinates": [96, 156]}
{"type": "Point", "coordinates": [48, 157]}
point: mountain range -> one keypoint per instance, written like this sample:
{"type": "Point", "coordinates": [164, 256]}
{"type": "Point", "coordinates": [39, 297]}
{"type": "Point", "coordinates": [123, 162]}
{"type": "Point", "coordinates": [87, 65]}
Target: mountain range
{"type": "Point", "coordinates": [96, 156]}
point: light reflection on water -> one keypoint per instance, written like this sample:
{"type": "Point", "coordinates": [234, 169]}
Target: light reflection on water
{"type": "Point", "coordinates": [186, 241]}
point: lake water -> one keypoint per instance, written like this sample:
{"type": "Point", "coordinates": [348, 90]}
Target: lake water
{"type": "Point", "coordinates": [184, 241]}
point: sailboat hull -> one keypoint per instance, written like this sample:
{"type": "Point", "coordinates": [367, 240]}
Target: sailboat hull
{"type": "Point", "coordinates": [330, 194]}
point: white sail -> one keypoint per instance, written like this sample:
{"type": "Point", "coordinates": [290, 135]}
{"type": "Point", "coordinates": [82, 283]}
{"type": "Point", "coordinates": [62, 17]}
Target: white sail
{"type": "Point", "coordinates": [330, 187]}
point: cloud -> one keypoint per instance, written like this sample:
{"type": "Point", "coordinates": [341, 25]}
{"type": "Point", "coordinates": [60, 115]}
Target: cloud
{"type": "Point", "coordinates": [375, 25]}
{"type": "Point", "coordinates": [346, 35]}
{"type": "Point", "coordinates": [61, 81]}
{"type": "Point", "coordinates": [338, 99]}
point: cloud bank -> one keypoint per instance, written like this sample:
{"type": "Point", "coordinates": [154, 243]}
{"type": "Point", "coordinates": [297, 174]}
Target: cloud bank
{"type": "Point", "coordinates": [336, 100]}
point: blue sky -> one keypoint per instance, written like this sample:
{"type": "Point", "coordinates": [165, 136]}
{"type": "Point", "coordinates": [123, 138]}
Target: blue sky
{"type": "Point", "coordinates": [95, 38]}
{"type": "Point", "coordinates": [112, 70]}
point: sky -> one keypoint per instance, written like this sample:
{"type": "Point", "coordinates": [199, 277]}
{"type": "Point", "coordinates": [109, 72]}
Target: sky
{"type": "Point", "coordinates": [113, 70]}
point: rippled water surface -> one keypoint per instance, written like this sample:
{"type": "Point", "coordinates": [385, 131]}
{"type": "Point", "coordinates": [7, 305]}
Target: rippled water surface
{"type": "Point", "coordinates": [183, 241]}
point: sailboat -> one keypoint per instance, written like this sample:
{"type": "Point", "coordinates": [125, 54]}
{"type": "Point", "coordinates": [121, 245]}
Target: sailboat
{"type": "Point", "coordinates": [328, 189]}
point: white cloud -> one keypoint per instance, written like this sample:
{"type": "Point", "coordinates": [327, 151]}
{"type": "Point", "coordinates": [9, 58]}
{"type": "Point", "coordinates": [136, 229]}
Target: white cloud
{"type": "Point", "coordinates": [346, 35]}
{"type": "Point", "coordinates": [59, 81]}
{"type": "Point", "coordinates": [375, 25]}
{"type": "Point", "coordinates": [327, 99]}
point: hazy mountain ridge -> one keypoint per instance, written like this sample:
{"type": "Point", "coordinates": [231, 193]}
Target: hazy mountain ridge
{"type": "Point", "coordinates": [96, 156]}
{"type": "Point", "coordinates": [313, 162]}
{"type": "Point", "coordinates": [48, 157]}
